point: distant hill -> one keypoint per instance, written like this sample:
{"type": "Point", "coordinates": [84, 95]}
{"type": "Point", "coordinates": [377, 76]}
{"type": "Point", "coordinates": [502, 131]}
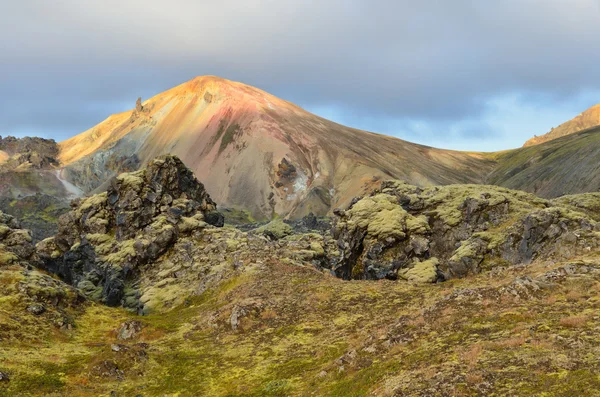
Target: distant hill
{"type": "Point", "coordinates": [31, 187]}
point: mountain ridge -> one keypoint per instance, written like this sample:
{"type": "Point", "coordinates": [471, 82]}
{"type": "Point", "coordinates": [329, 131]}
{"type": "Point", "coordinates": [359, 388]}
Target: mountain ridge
{"type": "Point", "coordinates": [590, 118]}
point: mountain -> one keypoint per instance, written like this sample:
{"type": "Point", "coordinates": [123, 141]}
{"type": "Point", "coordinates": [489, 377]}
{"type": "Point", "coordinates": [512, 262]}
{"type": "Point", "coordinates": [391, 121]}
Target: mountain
{"type": "Point", "coordinates": [260, 156]}
{"type": "Point", "coordinates": [588, 119]}
{"type": "Point", "coordinates": [257, 152]}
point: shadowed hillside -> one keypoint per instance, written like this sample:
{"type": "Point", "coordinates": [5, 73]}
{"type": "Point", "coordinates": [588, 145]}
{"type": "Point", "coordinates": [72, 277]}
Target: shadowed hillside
{"type": "Point", "coordinates": [31, 187]}
{"type": "Point", "coordinates": [566, 165]}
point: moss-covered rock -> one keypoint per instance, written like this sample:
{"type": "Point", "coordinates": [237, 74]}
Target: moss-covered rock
{"type": "Point", "coordinates": [469, 228]}
{"type": "Point", "coordinates": [275, 230]}
{"type": "Point", "coordinates": [422, 272]}
{"type": "Point", "coordinates": [107, 237]}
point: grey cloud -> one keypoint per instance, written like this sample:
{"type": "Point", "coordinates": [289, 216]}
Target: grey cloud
{"type": "Point", "coordinates": [436, 61]}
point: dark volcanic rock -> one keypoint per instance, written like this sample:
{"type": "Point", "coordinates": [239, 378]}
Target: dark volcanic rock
{"type": "Point", "coordinates": [310, 223]}
{"type": "Point", "coordinates": [106, 238]}
{"type": "Point", "coordinates": [36, 292]}
{"type": "Point", "coordinates": [36, 309]}
{"type": "Point", "coordinates": [39, 152]}
{"type": "Point", "coordinates": [138, 105]}
{"type": "Point", "coordinates": [38, 213]}
{"type": "Point", "coordinates": [129, 330]}
{"type": "Point", "coordinates": [286, 171]}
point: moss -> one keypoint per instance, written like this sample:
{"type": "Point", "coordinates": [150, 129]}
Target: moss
{"type": "Point", "coordinates": [132, 180]}
{"type": "Point", "coordinates": [380, 215]}
{"type": "Point", "coordinates": [421, 272]}
{"type": "Point", "coordinates": [162, 296]}
{"type": "Point", "coordinates": [232, 245]}
{"type": "Point", "coordinates": [358, 271]}
{"type": "Point", "coordinates": [236, 216]}
{"type": "Point", "coordinates": [95, 201]}
{"type": "Point", "coordinates": [103, 243]}
{"type": "Point", "coordinates": [467, 249]}
{"type": "Point", "coordinates": [4, 230]}
{"type": "Point", "coordinates": [189, 224]}
{"type": "Point", "coordinates": [276, 229]}
{"type": "Point", "coordinates": [90, 290]}
{"type": "Point", "coordinates": [123, 252]}
{"type": "Point", "coordinates": [317, 248]}
{"type": "Point", "coordinates": [586, 202]}
{"type": "Point", "coordinates": [7, 258]}
{"type": "Point", "coordinates": [417, 225]}
{"type": "Point", "coordinates": [43, 378]}
{"type": "Point", "coordinates": [230, 133]}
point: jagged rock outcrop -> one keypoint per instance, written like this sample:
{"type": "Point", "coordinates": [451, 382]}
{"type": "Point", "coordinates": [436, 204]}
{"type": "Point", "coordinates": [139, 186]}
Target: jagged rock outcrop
{"type": "Point", "coordinates": [102, 243]}
{"type": "Point", "coordinates": [138, 105]}
{"type": "Point", "coordinates": [38, 153]}
{"type": "Point", "coordinates": [402, 231]}
{"type": "Point", "coordinates": [15, 243]}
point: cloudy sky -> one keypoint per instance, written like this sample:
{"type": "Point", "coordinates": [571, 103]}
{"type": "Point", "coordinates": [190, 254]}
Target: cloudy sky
{"type": "Point", "coordinates": [461, 74]}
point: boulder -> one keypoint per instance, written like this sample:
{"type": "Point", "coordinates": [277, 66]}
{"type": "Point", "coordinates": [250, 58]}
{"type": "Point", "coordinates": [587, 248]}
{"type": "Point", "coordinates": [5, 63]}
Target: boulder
{"type": "Point", "coordinates": [129, 330]}
{"type": "Point", "coordinates": [16, 244]}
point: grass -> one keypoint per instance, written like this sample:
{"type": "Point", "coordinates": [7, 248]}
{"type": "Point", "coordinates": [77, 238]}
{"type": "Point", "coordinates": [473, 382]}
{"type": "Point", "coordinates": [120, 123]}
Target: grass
{"type": "Point", "coordinates": [288, 348]}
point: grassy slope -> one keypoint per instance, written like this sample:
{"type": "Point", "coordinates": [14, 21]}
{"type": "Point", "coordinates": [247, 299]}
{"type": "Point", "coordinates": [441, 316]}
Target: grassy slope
{"type": "Point", "coordinates": [320, 336]}
{"type": "Point", "coordinates": [566, 165]}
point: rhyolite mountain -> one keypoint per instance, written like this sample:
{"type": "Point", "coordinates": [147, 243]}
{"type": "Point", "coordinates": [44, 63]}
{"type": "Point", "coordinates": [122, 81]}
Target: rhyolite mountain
{"type": "Point", "coordinates": [588, 119]}
{"type": "Point", "coordinates": [257, 152]}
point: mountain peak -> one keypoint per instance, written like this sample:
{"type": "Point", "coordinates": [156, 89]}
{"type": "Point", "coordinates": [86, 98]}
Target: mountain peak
{"type": "Point", "coordinates": [256, 151]}
{"type": "Point", "coordinates": [588, 119]}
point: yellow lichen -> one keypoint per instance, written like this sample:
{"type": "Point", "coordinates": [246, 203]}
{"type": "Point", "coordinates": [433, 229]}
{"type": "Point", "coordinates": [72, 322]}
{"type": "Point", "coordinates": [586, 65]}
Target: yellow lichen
{"type": "Point", "coordinates": [189, 224]}
{"type": "Point", "coordinates": [97, 200]}
{"type": "Point", "coordinates": [132, 180]}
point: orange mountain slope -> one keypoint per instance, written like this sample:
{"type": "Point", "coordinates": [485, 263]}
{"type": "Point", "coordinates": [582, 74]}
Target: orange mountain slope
{"type": "Point", "coordinates": [258, 152]}
{"type": "Point", "coordinates": [588, 119]}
